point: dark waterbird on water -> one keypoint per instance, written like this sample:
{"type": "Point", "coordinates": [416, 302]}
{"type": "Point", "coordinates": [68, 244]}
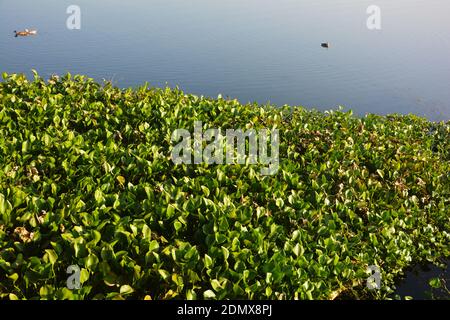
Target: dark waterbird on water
{"type": "Point", "coordinates": [325, 45]}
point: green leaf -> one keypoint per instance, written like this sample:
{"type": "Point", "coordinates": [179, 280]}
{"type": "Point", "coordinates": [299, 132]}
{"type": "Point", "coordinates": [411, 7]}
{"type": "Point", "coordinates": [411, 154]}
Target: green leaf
{"type": "Point", "coordinates": [121, 180]}
{"type": "Point", "coordinates": [146, 232]}
{"type": "Point", "coordinates": [336, 259]}
{"type": "Point", "coordinates": [208, 261]}
{"type": "Point", "coordinates": [91, 261]}
{"type": "Point", "coordinates": [191, 295]}
{"type": "Point", "coordinates": [380, 173]}
{"type": "Point", "coordinates": [154, 245]}
{"type": "Point", "coordinates": [279, 202]}
{"type": "Point", "coordinates": [164, 274]}
{"type": "Point", "coordinates": [296, 249]}
{"type": "Point", "coordinates": [225, 252]}
{"type": "Point", "coordinates": [99, 198]}
{"type": "Point", "coordinates": [52, 256]}
{"type": "Point", "coordinates": [45, 291]}
{"type": "Point", "coordinates": [19, 198]}
{"type": "Point", "coordinates": [56, 120]}
{"type": "Point", "coordinates": [65, 294]}
{"type": "Point", "coordinates": [80, 249]}
{"type": "Point", "coordinates": [84, 275]}
{"type": "Point", "coordinates": [209, 294]}
{"type": "Point", "coordinates": [25, 146]}
{"type": "Point", "coordinates": [5, 208]}
{"type": "Point", "coordinates": [170, 211]}
{"type": "Point", "coordinates": [215, 284]}
{"type": "Point", "coordinates": [224, 226]}
{"type": "Point", "coordinates": [435, 283]}
{"type": "Point", "coordinates": [12, 296]}
{"type": "Point", "coordinates": [96, 237]}
{"type": "Point", "coordinates": [205, 191]}
{"type": "Point", "coordinates": [177, 225]}
{"type": "Point", "coordinates": [126, 289]}
{"type": "Point", "coordinates": [14, 277]}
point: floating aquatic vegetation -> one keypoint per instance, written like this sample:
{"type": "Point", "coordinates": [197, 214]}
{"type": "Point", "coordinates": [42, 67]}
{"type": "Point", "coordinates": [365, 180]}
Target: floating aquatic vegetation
{"type": "Point", "coordinates": [86, 180]}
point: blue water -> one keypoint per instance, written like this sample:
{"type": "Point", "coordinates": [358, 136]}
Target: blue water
{"type": "Point", "coordinates": [252, 50]}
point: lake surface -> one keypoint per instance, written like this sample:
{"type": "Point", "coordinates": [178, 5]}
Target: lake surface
{"type": "Point", "coordinates": [252, 50]}
{"type": "Point", "coordinates": [415, 283]}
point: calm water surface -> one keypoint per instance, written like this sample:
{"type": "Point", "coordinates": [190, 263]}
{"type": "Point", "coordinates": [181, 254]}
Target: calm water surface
{"type": "Point", "coordinates": [253, 50]}
{"type": "Point", "coordinates": [415, 283]}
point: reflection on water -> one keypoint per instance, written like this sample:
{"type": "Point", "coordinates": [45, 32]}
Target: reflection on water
{"type": "Point", "coordinates": [415, 283]}
{"type": "Point", "coordinates": [254, 50]}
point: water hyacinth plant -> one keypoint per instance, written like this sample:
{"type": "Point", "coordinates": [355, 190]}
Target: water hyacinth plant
{"type": "Point", "coordinates": [86, 180]}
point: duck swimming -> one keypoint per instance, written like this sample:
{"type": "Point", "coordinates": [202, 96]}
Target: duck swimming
{"type": "Point", "coordinates": [325, 45]}
{"type": "Point", "coordinates": [20, 33]}
{"type": "Point", "coordinates": [25, 33]}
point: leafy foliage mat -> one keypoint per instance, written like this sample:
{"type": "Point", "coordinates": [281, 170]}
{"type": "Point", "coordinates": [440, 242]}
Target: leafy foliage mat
{"type": "Point", "coordinates": [86, 179]}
